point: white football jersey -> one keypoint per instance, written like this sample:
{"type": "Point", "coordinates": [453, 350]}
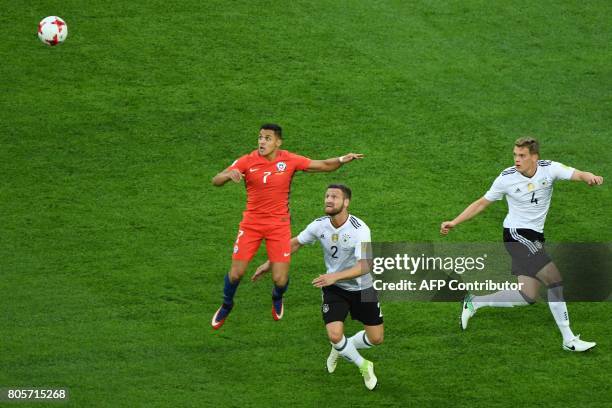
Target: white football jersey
{"type": "Point", "coordinates": [528, 198]}
{"type": "Point", "coordinates": [341, 247]}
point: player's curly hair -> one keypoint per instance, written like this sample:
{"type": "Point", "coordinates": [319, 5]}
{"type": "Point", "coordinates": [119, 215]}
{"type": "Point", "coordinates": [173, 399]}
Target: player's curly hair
{"type": "Point", "coordinates": [345, 190]}
{"type": "Point", "coordinates": [531, 143]}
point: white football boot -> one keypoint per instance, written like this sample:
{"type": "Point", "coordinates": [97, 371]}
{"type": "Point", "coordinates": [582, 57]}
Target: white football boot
{"type": "Point", "coordinates": [367, 371]}
{"type": "Point", "coordinates": [576, 344]}
{"type": "Point", "coordinates": [332, 360]}
{"type": "Point", "coordinates": [467, 310]}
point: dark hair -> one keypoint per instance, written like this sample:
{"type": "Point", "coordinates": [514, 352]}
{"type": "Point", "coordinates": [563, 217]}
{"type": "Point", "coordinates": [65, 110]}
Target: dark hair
{"type": "Point", "coordinates": [278, 131]}
{"type": "Point", "coordinates": [345, 190]}
{"type": "Point", "coordinates": [529, 142]}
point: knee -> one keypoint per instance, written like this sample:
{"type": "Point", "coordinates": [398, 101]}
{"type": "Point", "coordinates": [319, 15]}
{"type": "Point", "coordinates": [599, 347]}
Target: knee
{"type": "Point", "coordinates": [236, 274]}
{"type": "Point", "coordinates": [549, 274]}
{"type": "Point", "coordinates": [376, 339]}
{"type": "Point", "coordinates": [530, 297]}
{"type": "Point", "coordinates": [335, 336]}
{"type": "Point", "coordinates": [280, 280]}
{"type": "Point", "coordinates": [280, 274]}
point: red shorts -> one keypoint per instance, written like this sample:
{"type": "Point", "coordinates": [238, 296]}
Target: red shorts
{"type": "Point", "coordinates": [278, 242]}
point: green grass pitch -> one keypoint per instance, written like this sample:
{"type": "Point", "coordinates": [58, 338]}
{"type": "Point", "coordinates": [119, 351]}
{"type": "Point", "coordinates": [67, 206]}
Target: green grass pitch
{"type": "Point", "coordinates": [113, 242]}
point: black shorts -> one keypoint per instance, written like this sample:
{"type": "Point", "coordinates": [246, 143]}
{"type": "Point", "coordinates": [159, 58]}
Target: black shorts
{"type": "Point", "coordinates": [526, 247]}
{"type": "Point", "coordinates": [363, 305]}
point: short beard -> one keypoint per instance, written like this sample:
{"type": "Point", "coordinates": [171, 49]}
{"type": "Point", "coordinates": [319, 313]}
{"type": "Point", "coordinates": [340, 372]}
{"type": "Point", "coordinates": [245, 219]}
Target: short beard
{"type": "Point", "coordinates": [334, 213]}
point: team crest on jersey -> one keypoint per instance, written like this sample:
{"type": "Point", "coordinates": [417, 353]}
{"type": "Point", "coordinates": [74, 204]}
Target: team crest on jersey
{"type": "Point", "coordinates": [346, 238]}
{"type": "Point", "coordinates": [530, 187]}
{"type": "Point", "coordinates": [334, 237]}
{"type": "Point", "coordinates": [325, 308]}
{"type": "Point", "coordinates": [281, 166]}
{"type": "Point", "coordinates": [235, 249]}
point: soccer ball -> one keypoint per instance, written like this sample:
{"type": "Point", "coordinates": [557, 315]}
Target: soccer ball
{"type": "Point", "coordinates": [52, 30]}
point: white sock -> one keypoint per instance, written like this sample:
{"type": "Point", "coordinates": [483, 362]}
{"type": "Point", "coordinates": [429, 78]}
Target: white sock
{"type": "Point", "coordinates": [503, 298]}
{"type": "Point", "coordinates": [360, 340]}
{"type": "Point", "coordinates": [347, 350]}
{"type": "Point", "coordinates": [558, 308]}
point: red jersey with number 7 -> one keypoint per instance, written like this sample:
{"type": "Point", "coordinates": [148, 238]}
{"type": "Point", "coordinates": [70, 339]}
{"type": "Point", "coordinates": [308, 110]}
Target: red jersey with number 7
{"type": "Point", "coordinates": [268, 184]}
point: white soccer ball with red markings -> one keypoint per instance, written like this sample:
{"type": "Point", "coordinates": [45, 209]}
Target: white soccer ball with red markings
{"type": "Point", "coordinates": [52, 30]}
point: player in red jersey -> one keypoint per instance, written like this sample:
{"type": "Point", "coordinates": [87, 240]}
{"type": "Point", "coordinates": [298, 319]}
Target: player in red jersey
{"type": "Point", "coordinates": [267, 172]}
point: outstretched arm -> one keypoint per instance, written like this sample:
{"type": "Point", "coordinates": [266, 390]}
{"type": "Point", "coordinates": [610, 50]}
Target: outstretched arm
{"type": "Point", "coordinates": [589, 178]}
{"type": "Point", "coordinates": [470, 212]}
{"type": "Point", "coordinates": [225, 176]}
{"type": "Point", "coordinates": [265, 267]}
{"type": "Point", "coordinates": [361, 268]}
{"type": "Point", "coordinates": [332, 164]}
